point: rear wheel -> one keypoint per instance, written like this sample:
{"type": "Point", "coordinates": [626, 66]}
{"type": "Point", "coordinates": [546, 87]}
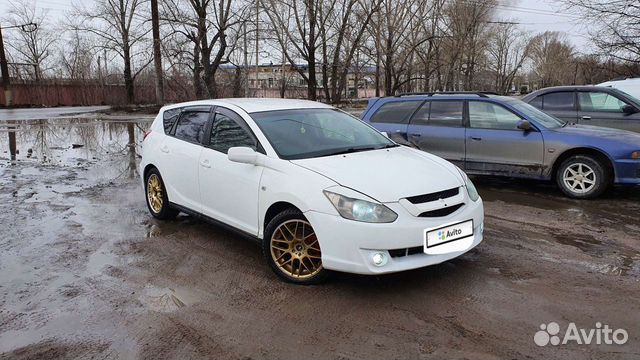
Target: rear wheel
{"type": "Point", "coordinates": [582, 177]}
{"type": "Point", "coordinates": [292, 250]}
{"type": "Point", "coordinates": [157, 200]}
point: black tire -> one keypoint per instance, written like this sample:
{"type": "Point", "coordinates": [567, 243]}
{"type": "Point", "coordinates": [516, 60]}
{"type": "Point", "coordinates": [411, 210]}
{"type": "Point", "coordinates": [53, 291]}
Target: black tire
{"type": "Point", "coordinates": [290, 216]}
{"type": "Point", "coordinates": [164, 211]}
{"type": "Point", "coordinates": [591, 181]}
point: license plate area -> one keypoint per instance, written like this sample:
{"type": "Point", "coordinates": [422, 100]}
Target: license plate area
{"type": "Point", "coordinates": [448, 233]}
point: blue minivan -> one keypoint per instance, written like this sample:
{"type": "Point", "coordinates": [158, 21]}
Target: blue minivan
{"type": "Point", "coordinates": [487, 134]}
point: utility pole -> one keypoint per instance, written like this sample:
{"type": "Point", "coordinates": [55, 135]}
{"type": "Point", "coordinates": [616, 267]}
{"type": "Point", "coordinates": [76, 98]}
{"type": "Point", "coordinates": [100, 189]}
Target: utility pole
{"type": "Point", "coordinates": [257, 44]}
{"type": "Point", "coordinates": [246, 61]}
{"type": "Point", "coordinates": [157, 56]}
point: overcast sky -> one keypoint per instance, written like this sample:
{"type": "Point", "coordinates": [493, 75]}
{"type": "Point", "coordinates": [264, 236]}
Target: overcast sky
{"type": "Point", "coordinates": [534, 15]}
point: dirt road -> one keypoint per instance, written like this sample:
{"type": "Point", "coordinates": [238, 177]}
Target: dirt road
{"type": "Point", "coordinates": [85, 272]}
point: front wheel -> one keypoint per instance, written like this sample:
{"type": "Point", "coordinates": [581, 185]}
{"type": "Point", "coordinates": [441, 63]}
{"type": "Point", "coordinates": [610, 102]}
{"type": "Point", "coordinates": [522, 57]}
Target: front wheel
{"type": "Point", "coordinates": [292, 250]}
{"type": "Point", "coordinates": [582, 177]}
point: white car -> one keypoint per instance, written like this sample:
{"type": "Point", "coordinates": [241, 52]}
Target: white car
{"type": "Point", "coordinates": [630, 86]}
{"type": "Point", "coordinates": [318, 188]}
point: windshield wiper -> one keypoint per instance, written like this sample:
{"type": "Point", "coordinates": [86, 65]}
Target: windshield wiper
{"type": "Point", "coordinates": [351, 150]}
{"type": "Point", "coordinates": [388, 146]}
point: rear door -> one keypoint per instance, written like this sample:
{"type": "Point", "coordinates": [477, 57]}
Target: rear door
{"type": "Point", "coordinates": [229, 190]}
{"type": "Point", "coordinates": [437, 127]}
{"type": "Point", "coordinates": [605, 109]}
{"type": "Point", "coordinates": [561, 104]}
{"type": "Point", "coordinates": [495, 146]}
{"type": "Point", "coordinates": [393, 118]}
{"type": "Point", "coordinates": [180, 152]}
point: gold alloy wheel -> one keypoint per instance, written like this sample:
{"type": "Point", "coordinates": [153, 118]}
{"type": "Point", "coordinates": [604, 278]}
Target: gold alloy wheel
{"type": "Point", "coordinates": [154, 193]}
{"type": "Point", "coordinates": [295, 249]}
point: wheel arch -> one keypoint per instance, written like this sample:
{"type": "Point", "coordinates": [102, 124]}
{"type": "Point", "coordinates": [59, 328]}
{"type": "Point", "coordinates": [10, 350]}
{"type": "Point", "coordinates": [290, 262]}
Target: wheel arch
{"type": "Point", "coordinates": [274, 209]}
{"type": "Point", "coordinates": [598, 154]}
{"type": "Point", "coordinates": [147, 169]}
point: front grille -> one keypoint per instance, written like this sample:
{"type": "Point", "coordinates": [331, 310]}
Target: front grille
{"type": "Point", "coordinates": [406, 251]}
{"type": "Point", "coordinates": [419, 199]}
{"type": "Point", "coordinates": [441, 212]}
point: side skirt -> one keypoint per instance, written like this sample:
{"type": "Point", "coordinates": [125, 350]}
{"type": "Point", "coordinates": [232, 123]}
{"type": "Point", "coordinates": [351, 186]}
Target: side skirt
{"type": "Point", "coordinates": [216, 222]}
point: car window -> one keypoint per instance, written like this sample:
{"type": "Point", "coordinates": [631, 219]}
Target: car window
{"type": "Point", "coordinates": [446, 113]}
{"type": "Point", "coordinates": [191, 126]}
{"type": "Point", "coordinates": [600, 101]}
{"type": "Point", "coordinates": [227, 133]}
{"type": "Point", "coordinates": [169, 118]}
{"type": "Point", "coordinates": [537, 102]}
{"type": "Point", "coordinates": [486, 115]}
{"type": "Point", "coordinates": [562, 100]}
{"type": "Point", "coordinates": [396, 112]}
{"type": "Point", "coordinates": [308, 133]}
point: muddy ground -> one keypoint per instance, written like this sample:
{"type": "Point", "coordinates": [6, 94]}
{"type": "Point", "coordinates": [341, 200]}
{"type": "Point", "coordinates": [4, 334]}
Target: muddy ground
{"type": "Point", "coordinates": [85, 272]}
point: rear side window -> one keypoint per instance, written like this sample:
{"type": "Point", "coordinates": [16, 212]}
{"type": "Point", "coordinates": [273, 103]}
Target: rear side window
{"type": "Point", "coordinates": [563, 100]}
{"type": "Point", "coordinates": [446, 113]}
{"type": "Point", "coordinates": [169, 118]}
{"type": "Point", "coordinates": [191, 126]}
{"type": "Point", "coordinates": [537, 102]}
{"type": "Point", "coordinates": [396, 112]}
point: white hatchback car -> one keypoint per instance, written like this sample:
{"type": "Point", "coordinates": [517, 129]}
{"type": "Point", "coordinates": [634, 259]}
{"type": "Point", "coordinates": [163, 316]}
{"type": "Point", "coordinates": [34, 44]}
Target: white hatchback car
{"type": "Point", "coordinates": [318, 188]}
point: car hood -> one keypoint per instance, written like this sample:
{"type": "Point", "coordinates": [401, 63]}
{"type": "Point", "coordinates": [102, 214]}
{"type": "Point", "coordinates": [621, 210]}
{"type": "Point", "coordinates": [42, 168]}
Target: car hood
{"type": "Point", "coordinates": [387, 175]}
{"type": "Point", "coordinates": [628, 137]}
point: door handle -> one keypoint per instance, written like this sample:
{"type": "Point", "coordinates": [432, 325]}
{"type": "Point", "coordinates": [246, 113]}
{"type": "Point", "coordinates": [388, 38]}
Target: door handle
{"type": "Point", "coordinates": [586, 117]}
{"type": "Point", "coordinates": [205, 163]}
{"type": "Point", "coordinates": [416, 134]}
{"type": "Point", "coordinates": [165, 149]}
{"type": "Point", "coordinates": [476, 138]}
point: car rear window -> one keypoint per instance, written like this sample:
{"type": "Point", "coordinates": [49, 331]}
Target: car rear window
{"type": "Point", "coordinates": [396, 112]}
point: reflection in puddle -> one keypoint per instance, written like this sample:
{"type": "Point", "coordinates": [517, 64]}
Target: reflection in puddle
{"type": "Point", "coordinates": [113, 146]}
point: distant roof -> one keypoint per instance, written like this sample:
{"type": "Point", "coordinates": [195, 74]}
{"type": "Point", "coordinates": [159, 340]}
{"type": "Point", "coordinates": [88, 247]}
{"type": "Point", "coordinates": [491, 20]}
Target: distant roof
{"type": "Point", "coordinates": [252, 105]}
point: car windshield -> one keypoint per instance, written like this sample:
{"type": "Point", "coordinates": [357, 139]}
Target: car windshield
{"type": "Point", "coordinates": [307, 133]}
{"type": "Point", "coordinates": [542, 118]}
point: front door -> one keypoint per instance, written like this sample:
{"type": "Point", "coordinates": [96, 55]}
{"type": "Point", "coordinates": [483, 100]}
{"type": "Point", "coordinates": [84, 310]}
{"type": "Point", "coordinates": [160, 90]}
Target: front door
{"type": "Point", "coordinates": [229, 190]}
{"type": "Point", "coordinates": [437, 127]}
{"type": "Point", "coordinates": [604, 109]}
{"type": "Point", "coordinates": [495, 146]}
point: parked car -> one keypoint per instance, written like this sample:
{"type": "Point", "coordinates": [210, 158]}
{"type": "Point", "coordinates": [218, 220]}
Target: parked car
{"type": "Point", "coordinates": [495, 135]}
{"type": "Point", "coordinates": [318, 188]}
{"type": "Point", "coordinates": [589, 105]}
{"type": "Point", "coordinates": [630, 86]}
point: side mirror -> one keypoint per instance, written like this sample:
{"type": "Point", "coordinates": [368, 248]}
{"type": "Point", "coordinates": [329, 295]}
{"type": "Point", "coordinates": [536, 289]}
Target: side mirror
{"type": "Point", "coordinates": [243, 154]}
{"type": "Point", "coordinates": [524, 125]}
{"type": "Point", "coordinates": [628, 109]}
{"type": "Point", "coordinates": [385, 134]}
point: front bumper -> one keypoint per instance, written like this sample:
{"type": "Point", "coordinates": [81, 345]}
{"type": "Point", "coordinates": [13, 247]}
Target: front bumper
{"type": "Point", "coordinates": [349, 245]}
{"type": "Point", "coordinates": [627, 171]}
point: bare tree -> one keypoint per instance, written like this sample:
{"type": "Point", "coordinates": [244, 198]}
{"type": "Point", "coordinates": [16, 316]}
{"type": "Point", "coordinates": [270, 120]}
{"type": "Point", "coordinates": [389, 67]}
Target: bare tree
{"type": "Point", "coordinates": [617, 30]}
{"type": "Point", "coordinates": [212, 29]}
{"type": "Point", "coordinates": [76, 56]}
{"type": "Point", "coordinates": [552, 59]}
{"type": "Point", "coordinates": [119, 26]}
{"type": "Point", "coordinates": [33, 46]}
{"type": "Point", "coordinates": [508, 49]}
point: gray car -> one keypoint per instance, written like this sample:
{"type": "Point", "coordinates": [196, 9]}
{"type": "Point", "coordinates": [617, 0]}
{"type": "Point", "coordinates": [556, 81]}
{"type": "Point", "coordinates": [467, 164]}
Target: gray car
{"type": "Point", "coordinates": [589, 105]}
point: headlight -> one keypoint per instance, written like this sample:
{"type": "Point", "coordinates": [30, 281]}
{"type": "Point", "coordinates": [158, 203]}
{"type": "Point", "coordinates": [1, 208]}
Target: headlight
{"type": "Point", "coordinates": [361, 210]}
{"type": "Point", "coordinates": [471, 189]}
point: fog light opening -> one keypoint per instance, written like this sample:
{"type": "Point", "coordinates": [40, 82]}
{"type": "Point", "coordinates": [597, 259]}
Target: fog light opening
{"type": "Point", "coordinates": [379, 259]}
